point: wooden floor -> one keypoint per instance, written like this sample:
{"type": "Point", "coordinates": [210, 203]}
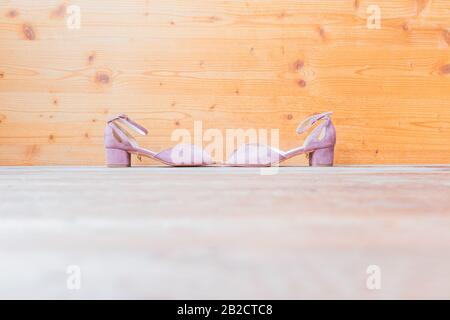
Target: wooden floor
{"type": "Point", "coordinates": [156, 232]}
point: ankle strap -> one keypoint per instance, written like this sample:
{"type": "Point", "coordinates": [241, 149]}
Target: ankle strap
{"type": "Point", "coordinates": [123, 118]}
{"type": "Point", "coordinates": [309, 122]}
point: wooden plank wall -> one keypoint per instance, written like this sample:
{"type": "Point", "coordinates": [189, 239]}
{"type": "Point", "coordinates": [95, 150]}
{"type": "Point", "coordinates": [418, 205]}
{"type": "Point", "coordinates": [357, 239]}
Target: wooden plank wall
{"type": "Point", "coordinates": [231, 64]}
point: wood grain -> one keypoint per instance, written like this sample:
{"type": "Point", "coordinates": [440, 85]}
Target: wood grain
{"type": "Point", "coordinates": [230, 64]}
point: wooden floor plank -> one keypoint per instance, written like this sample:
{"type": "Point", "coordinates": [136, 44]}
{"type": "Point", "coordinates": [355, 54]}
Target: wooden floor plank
{"type": "Point", "coordinates": [157, 232]}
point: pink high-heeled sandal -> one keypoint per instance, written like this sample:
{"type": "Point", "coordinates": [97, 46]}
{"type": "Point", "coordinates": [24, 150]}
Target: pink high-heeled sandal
{"type": "Point", "coordinates": [319, 146]}
{"type": "Point", "coordinates": [119, 145]}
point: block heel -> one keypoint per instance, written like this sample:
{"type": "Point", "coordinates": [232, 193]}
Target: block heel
{"type": "Point", "coordinates": [116, 158]}
{"type": "Point", "coordinates": [322, 157]}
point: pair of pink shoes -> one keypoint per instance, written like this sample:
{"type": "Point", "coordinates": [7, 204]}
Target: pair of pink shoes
{"type": "Point", "coordinates": [319, 145]}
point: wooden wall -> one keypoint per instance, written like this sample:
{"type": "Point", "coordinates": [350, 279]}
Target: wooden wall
{"type": "Point", "coordinates": [230, 64]}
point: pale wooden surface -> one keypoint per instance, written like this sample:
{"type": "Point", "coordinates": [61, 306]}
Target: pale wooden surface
{"type": "Point", "coordinates": [231, 64]}
{"type": "Point", "coordinates": [224, 232]}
